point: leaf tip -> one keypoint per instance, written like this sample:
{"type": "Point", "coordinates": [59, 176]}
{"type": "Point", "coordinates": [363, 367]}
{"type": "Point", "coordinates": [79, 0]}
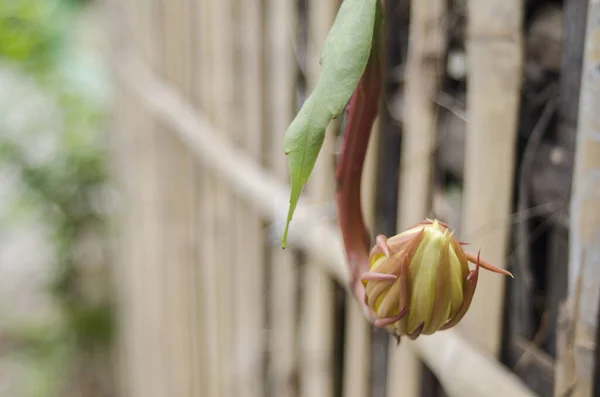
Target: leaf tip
{"type": "Point", "coordinates": [285, 234]}
{"type": "Point", "coordinates": [294, 197]}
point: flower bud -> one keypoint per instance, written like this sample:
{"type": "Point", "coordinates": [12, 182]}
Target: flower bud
{"type": "Point", "coordinates": [419, 280]}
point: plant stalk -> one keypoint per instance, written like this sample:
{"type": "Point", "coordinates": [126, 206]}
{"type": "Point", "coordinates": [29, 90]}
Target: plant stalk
{"type": "Point", "coordinates": [362, 112]}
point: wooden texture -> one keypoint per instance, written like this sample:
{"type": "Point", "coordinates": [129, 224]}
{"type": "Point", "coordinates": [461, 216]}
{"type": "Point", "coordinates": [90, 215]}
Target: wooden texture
{"type": "Point", "coordinates": [356, 353]}
{"type": "Point", "coordinates": [207, 254]}
{"type": "Point", "coordinates": [250, 255]}
{"type": "Point", "coordinates": [222, 34]}
{"type": "Point", "coordinates": [283, 365]}
{"type": "Point", "coordinates": [424, 71]}
{"type": "Point", "coordinates": [203, 280]}
{"type": "Point", "coordinates": [208, 91]}
{"type": "Point", "coordinates": [177, 198]}
{"type": "Point", "coordinates": [494, 58]}
{"type": "Point", "coordinates": [577, 354]}
{"type": "Point", "coordinates": [247, 179]}
{"type": "Point", "coordinates": [465, 371]}
{"type": "Point", "coordinates": [145, 295]}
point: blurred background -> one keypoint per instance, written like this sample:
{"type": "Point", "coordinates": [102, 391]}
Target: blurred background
{"type": "Point", "coordinates": [143, 190]}
{"type": "Point", "coordinates": [55, 321]}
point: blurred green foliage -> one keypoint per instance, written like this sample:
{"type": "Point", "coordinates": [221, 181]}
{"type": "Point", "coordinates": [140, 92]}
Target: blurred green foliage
{"type": "Point", "coordinates": [32, 31]}
{"type": "Point", "coordinates": [67, 188]}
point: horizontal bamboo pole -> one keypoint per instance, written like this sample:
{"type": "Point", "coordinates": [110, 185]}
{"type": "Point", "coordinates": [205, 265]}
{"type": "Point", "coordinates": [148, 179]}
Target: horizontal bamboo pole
{"type": "Point", "coordinates": [463, 370]}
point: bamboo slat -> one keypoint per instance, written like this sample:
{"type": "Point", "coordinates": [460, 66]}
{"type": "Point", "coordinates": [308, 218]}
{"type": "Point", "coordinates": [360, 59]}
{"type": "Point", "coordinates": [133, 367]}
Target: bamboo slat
{"type": "Point", "coordinates": [177, 203]}
{"type": "Point", "coordinates": [146, 244]}
{"type": "Point", "coordinates": [146, 293]}
{"type": "Point", "coordinates": [250, 270]}
{"type": "Point", "coordinates": [222, 98]}
{"type": "Point", "coordinates": [494, 56]}
{"type": "Point", "coordinates": [178, 196]}
{"type": "Point", "coordinates": [316, 377]}
{"type": "Point", "coordinates": [200, 366]}
{"type": "Point", "coordinates": [283, 278]}
{"type": "Point", "coordinates": [206, 279]}
{"type": "Point", "coordinates": [119, 227]}
{"type": "Point", "coordinates": [358, 342]}
{"type": "Point", "coordinates": [357, 352]}
{"type": "Point", "coordinates": [424, 70]}
{"type": "Point", "coordinates": [199, 362]}
{"type": "Point", "coordinates": [576, 367]}
{"type": "Point", "coordinates": [124, 253]}
{"type": "Point", "coordinates": [122, 224]}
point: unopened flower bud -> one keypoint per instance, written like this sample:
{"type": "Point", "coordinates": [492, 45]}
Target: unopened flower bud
{"type": "Point", "coordinates": [419, 280]}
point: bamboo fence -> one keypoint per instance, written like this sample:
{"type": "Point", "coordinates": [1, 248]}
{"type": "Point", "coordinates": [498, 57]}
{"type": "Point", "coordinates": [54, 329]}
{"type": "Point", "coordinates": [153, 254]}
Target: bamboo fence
{"type": "Point", "coordinates": [210, 305]}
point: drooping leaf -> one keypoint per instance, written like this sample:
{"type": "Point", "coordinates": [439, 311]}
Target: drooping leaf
{"type": "Point", "coordinates": [344, 58]}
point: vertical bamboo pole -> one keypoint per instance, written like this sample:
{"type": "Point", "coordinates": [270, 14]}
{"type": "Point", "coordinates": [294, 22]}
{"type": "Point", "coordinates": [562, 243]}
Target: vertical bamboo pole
{"type": "Point", "coordinates": [120, 141]}
{"type": "Point", "coordinates": [197, 285]}
{"type": "Point", "coordinates": [424, 72]}
{"type": "Point", "coordinates": [494, 52]}
{"type": "Point", "coordinates": [177, 195]}
{"type": "Point", "coordinates": [177, 205]}
{"type": "Point", "coordinates": [250, 271]}
{"type": "Point", "coordinates": [145, 323]}
{"type": "Point", "coordinates": [199, 363]}
{"type": "Point", "coordinates": [208, 257]}
{"type": "Point", "coordinates": [357, 351]}
{"type": "Point", "coordinates": [120, 229]}
{"type": "Point", "coordinates": [126, 115]}
{"type": "Point", "coordinates": [317, 309]}
{"type": "Point", "coordinates": [357, 347]}
{"type": "Point", "coordinates": [577, 359]}
{"type": "Point", "coordinates": [121, 175]}
{"type": "Point", "coordinates": [222, 100]}
{"type": "Point", "coordinates": [284, 278]}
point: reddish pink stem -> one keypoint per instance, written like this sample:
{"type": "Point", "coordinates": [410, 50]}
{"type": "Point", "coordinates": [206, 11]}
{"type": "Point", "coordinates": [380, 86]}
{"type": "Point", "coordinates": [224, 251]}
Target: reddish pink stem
{"type": "Point", "coordinates": [362, 112]}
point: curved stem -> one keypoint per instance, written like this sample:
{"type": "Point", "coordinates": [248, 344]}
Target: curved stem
{"type": "Point", "coordinates": [362, 112]}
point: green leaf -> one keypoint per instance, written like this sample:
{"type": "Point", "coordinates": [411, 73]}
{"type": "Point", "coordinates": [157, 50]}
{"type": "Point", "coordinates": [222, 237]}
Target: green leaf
{"type": "Point", "coordinates": [344, 58]}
